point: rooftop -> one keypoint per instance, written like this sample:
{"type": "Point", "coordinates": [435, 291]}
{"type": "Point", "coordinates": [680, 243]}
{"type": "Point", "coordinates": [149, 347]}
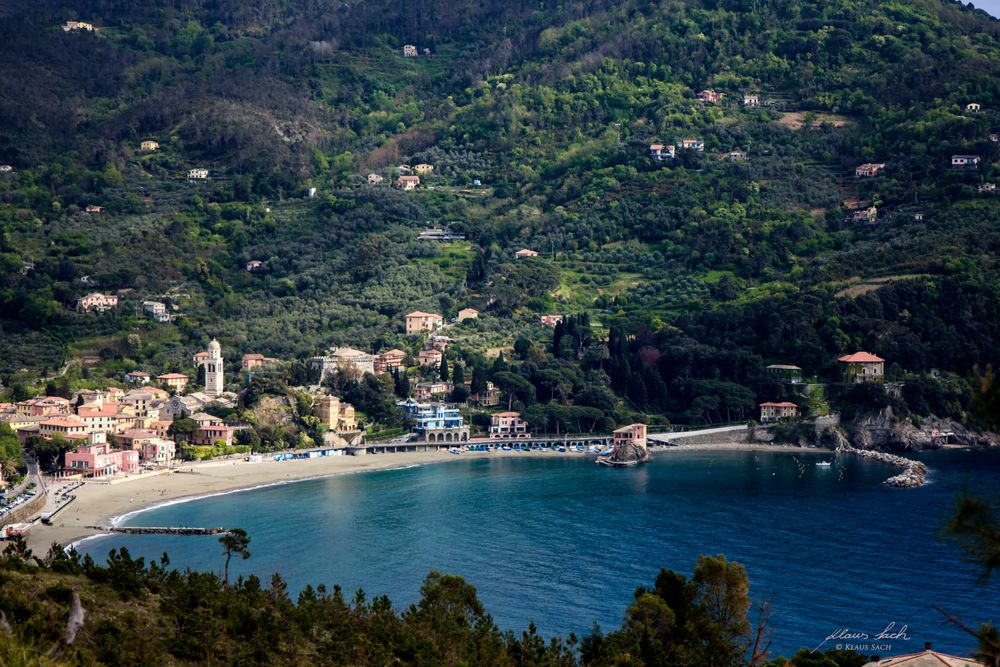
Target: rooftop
{"type": "Point", "coordinates": [860, 358]}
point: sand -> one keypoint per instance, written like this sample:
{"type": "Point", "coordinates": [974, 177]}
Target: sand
{"type": "Point", "coordinates": [100, 504]}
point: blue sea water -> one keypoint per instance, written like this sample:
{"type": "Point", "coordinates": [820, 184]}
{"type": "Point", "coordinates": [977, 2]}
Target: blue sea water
{"type": "Point", "coordinates": [563, 542]}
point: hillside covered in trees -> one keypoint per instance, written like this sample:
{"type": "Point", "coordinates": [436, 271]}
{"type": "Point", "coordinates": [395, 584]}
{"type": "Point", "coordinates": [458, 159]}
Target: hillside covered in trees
{"type": "Point", "coordinates": [689, 275]}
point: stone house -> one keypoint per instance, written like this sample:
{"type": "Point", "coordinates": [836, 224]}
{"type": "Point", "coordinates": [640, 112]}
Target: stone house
{"type": "Point", "coordinates": [869, 169]}
{"type": "Point", "coordinates": [862, 367]}
{"type": "Point", "coordinates": [374, 179]}
{"type": "Point", "coordinates": [407, 182]}
{"type": "Point", "coordinates": [424, 169]}
{"type": "Point", "coordinates": [149, 146]}
{"type": "Point", "coordinates": [467, 314]}
{"type": "Point", "coordinates": [770, 412]}
{"type": "Point", "coordinates": [430, 358]}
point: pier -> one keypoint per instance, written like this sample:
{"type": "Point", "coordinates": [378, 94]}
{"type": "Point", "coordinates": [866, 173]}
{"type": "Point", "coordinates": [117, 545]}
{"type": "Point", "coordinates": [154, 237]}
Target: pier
{"type": "Point", "coordinates": [712, 435]}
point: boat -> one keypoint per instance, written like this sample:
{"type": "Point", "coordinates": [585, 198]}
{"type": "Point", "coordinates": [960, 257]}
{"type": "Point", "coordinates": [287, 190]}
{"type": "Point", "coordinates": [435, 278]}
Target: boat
{"type": "Point", "coordinates": [824, 464]}
{"type": "Point", "coordinates": [454, 450]}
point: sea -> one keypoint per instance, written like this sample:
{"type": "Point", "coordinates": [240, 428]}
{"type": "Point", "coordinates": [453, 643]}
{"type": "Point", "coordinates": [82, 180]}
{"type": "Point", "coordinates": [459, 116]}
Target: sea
{"type": "Point", "coordinates": [843, 559]}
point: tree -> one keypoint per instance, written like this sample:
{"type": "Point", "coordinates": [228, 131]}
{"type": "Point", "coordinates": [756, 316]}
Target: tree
{"type": "Point", "coordinates": [444, 368]}
{"type": "Point", "coordinates": [234, 541]}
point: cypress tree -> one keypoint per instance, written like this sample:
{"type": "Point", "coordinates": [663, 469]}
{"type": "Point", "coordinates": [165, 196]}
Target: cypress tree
{"type": "Point", "coordinates": [444, 368]}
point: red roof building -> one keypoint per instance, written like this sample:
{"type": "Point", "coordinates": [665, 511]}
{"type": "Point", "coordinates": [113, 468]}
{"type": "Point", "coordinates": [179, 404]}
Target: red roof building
{"type": "Point", "coordinates": [770, 412]}
{"type": "Point", "coordinates": [863, 367]}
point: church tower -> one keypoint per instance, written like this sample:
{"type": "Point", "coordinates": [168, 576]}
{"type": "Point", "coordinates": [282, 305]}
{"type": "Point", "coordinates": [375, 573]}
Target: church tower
{"type": "Point", "coordinates": [214, 383]}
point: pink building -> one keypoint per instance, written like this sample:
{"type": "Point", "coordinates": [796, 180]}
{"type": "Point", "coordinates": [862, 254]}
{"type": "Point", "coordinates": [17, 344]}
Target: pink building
{"type": "Point", "coordinates": [210, 434]}
{"type": "Point", "coordinates": [388, 361]}
{"type": "Point", "coordinates": [525, 252]}
{"type": "Point", "coordinates": [869, 169]}
{"type": "Point", "coordinates": [550, 320]}
{"type": "Point", "coordinates": [159, 451]}
{"type": "Point", "coordinates": [252, 361]}
{"type": "Point", "coordinates": [430, 357]}
{"type": "Point", "coordinates": [97, 301]}
{"type": "Point", "coordinates": [100, 460]}
{"type": "Point", "coordinates": [508, 425]}
{"type": "Point", "coordinates": [43, 406]}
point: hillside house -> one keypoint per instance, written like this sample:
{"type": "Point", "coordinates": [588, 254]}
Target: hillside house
{"type": "Point", "coordinates": [6, 168]}
{"type": "Point", "coordinates": [176, 381]}
{"type": "Point", "coordinates": [490, 397]}
{"type": "Point", "coordinates": [508, 425]}
{"type": "Point", "coordinates": [711, 96]}
{"type": "Point", "coordinates": [410, 51]}
{"type": "Point", "coordinates": [868, 215]}
{"type": "Point", "coordinates": [149, 146]}
{"type": "Point", "coordinates": [407, 182]}
{"type": "Point", "coordinates": [973, 107]}
{"type": "Point", "coordinates": [965, 162]}
{"type": "Point", "coordinates": [662, 152]}
{"type": "Point", "coordinates": [419, 321]}
{"type": "Point", "coordinates": [336, 416]}
{"type": "Point", "coordinates": [213, 434]}
{"type": "Point", "coordinates": [154, 307]}
{"type": "Point", "coordinates": [253, 360]}
{"type": "Point", "coordinates": [137, 377]}
{"type": "Point", "coordinates": [430, 358]}
{"type": "Point", "coordinates": [197, 174]}
{"type": "Point", "coordinates": [862, 367]}
{"type": "Point", "coordinates": [988, 188]}
{"type": "Point", "coordinates": [772, 412]}
{"type": "Point", "coordinates": [467, 314]}
{"type": "Point", "coordinates": [97, 301]}
{"type": "Point", "coordinates": [93, 208]}
{"type": "Point", "coordinates": [785, 372]}
{"type": "Point", "coordinates": [692, 144]}
{"type": "Point", "coordinates": [869, 169]}
{"type": "Point", "coordinates": [78, 25]}
{"type": "Point", "coordinates": [438, 234]}
{"type": "Point", "coordinates": [254, 265]}
{"type": "Point", "coordinates": [550, 320]}
{"type": "Point", "coordinates": [736, 156]}
{"type": "Point", "coordinates": [424, 169]}
{"type": "Point", "coordinates": [374, 179]}
{"type": "Point", "coordinates": [427, 390]}
{"type": "Point", "coordinates": [993, 137]}
{"type": "Point", "coordinates": [751, 101]}
{"type": "Point", "coordinates": [199, 358]}
{"type": "Point", "coordinates": [525, 252]}
{"type": "Point", "coordinates": [389, 361]}
{"type": "Point", "coordinates": [438, 343]}
{"type": "Point", "coordinates": [404, 169]}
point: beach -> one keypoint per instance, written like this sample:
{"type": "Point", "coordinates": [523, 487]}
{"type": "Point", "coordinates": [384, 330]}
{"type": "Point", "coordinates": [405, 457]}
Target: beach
{"type": "Point", "coordinates": [101, 504]}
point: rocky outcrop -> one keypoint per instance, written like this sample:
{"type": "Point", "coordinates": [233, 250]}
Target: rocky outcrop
{"type": "Point", "coordinates": [883, 430]}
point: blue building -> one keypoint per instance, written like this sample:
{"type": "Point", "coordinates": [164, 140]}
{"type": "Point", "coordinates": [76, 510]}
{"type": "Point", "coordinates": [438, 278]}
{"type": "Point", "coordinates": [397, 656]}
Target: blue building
{"type": "Point", "coordinates": [435, 422]}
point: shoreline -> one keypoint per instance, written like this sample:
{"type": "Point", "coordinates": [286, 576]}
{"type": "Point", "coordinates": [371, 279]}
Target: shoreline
{"type": "Point", "coordinates": [110, 504]}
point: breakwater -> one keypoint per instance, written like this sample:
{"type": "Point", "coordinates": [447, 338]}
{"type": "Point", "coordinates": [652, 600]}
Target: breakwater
{"type": "Point", "coordinates": [159, 530]}
{"type": "Point", "coordinates": [914, 472]}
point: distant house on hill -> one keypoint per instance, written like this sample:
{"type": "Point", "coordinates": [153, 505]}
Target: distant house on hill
{"type": "Point", "coordinates": [409, 51]}
{"type": "Point", "coordinates": [390, 360]}
{"type": "Point", "coordinates": [662, 152]}
{"type": "Point", "coordinates": [786, 372]}
{"type": "Point", "coordinates": [374, 179]}
{"type": "Point", "coordinates": [467, 314]}
{"type": "Point", "coordinates": [149, 146]}
{"type": "Point", "coordinates": [869, 169]}
{"type": "Point", "coordinates": [862, 367]}
{"type": "Point", "coordinates": [965, 162]}
{"type": "Point", "coordinates": [692, 144]}
{"type": "Point", "coordinates": [424, 169]}
{"type": "Point", "coordinates": [550, 320]}
{"type": "Point", "coordinates": [993, 137]}
{"type": "Point", "coordinates": [712, 96]}
{"type": "Point", "coordinates": [252, 361]}
{"type": "Point", "coordinates": [751, 101]}
{"type": "Point", "coordinates": [973, 107]}
{"type": "Point", "coordinates": [6, 168]}
{"type": "Point", "coordinates": [78, 25]}
{"type": "Point", "coordinates": [407, 182]}
{"type": "Point", "coordinates": [988, 188]}
{"type": "Point", "coordinates": [869, 215]}
{"type": "Point", "coordinates": [198, 173]}
{"type": "Point", "coordinates": [419, 321]}
{"type": "Point", "coordinates": [97, 301]}
{"type": "Point", "coordinates": [176, 381]}
{"type": "Point", "coordinates": [254, 265]}
{"type": "Point", "coordinates": [430, 357]}
{"type": "Point", "coordinates": [93, 208]}
{"type": "Point", "coordinates": [525, 252]}
{"type": "Point", "coordinates": [137, 377]}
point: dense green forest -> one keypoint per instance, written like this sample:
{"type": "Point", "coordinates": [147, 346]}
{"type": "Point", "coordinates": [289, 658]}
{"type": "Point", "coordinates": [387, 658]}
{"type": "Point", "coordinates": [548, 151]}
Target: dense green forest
{"type": "Point", "coordinates": [689, 275]}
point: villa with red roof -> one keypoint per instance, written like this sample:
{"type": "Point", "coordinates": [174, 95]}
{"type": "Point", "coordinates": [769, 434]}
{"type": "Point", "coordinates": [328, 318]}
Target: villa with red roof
{"type": "Point", "coordinates": [772, 412]}
{"type": "Point", "coordinates": [508, 425]}
{"type": "Point", "coordinates": [863, 367]}
{"type": "Point", "coordinates": [525, 252]}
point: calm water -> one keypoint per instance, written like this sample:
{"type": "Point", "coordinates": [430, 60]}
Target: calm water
{"type": "Point", "coordinates": [563, 542]}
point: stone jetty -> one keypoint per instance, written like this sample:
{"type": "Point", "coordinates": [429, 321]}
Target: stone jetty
{"type": "Point", "coordinates": [914, 472]}
{"type": "Point", "coordinates": [158, 530]}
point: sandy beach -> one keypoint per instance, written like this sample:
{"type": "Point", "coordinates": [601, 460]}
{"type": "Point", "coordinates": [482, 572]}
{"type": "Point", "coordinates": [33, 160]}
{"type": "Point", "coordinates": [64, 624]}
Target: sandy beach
{"type": "Point", "coordinates": [101, 503]}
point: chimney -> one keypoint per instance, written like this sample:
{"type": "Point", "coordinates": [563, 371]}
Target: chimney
{"type": "Point", "coordinates": [927, 646]}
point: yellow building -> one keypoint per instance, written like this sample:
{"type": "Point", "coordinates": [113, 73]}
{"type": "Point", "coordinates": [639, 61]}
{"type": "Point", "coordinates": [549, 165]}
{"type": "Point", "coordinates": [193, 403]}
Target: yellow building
{"type": "Point", "coordinates": [149, 146]}
{"type": "Point", "coordinates": [336, 416]}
